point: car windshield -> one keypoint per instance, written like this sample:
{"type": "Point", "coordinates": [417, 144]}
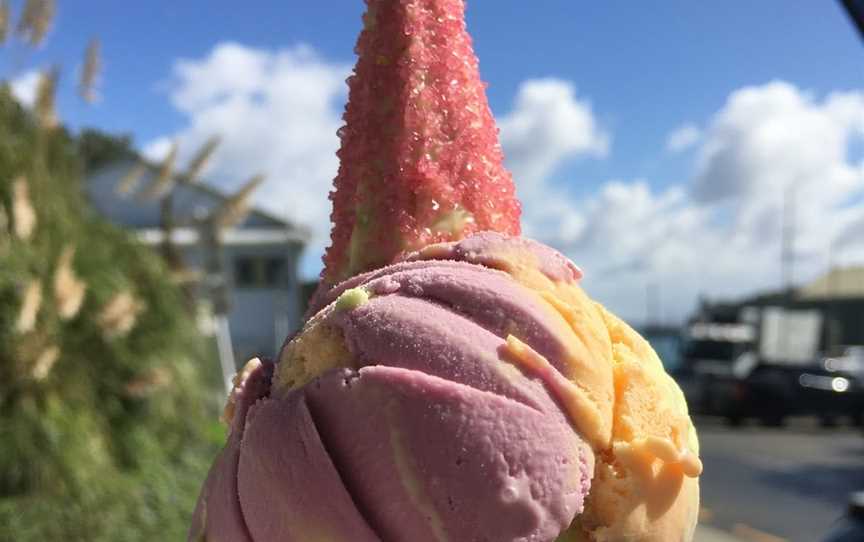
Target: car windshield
{"type": "Point", "coordinates": [712, 350]}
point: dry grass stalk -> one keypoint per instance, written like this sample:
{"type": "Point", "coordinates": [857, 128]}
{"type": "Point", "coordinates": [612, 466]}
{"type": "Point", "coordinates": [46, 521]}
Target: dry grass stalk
{"type": "Point", "coordinates": [199, 161]}
{"type": "Point", "coordinates": [186, 276]}
{"type": "Point", "coordinates": [129, 182]}
{"type": "Point", "coordinates": [5, 16]}
{"type": "Point", "coordinates": [90, 71]}
{"type": "Point", "coordinates": [119, 315]}
{"type": "Point", "coordinates": [45, 362]}
{"type": "Point", "coordinates": [68, 289]}
{"type": "Point", "coordinates": [23, 213]}
{"type": "Point", "coordinates": [148, 382]}
{"type": "Point", "coordinates": [4, 227]}
{"type": "Point", "coordinates": [35, 21]}
{"type": "Point", "coordinates": [45, 107]}
{"type": "Point", "coordinates": [238, 382]}
{"type": "Point", "coordinates": [30, 304]}
{"type": "Point", "coordinates": [236, 207]}
{"type": "Point", "coordinates": [161, 184]}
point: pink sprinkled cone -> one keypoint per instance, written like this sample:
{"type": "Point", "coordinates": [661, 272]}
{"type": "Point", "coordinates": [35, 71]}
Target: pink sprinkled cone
{"type": "Point", "coordinates": [420, 160]}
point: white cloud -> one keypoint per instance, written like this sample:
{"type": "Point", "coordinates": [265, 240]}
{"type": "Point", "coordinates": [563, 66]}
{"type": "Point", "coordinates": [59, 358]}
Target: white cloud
{"type": "Point", "coordinates": [773, 138]}
{"type": "Point", "coordinates": [768, 146]}
{"type": "Point", "coordinates": [25, 86]}
{"type": "Point", "coordinates": [683, 138]}
{"type": "Point", "coordinates": [851, 233]}
{"type": "Point", "coordinates": [277, 112]}
{"type": "Point", "coordinates": [547, 126]}
{"type": "Point", "coordinates": [773, 146]}
{"type": "Point", "coordinates": [634, 237]}
{"type": "Point", "coordinates": [157, 149]}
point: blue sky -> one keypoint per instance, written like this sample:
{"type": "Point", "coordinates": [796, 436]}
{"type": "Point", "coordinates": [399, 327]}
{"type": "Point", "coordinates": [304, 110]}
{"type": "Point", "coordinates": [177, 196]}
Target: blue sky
{"type": "Point", "coordinates": [634, 72]}
{"type": "Point", "coordinates": [645, 66]}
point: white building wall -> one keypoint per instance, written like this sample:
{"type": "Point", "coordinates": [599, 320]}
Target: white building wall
{"type": "Point", "coordinates": [262, 316]}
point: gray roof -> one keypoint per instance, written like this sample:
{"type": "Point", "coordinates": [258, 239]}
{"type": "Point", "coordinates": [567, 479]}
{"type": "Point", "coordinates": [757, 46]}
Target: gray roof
{"type": "Point", "coordinates": [132, 209]}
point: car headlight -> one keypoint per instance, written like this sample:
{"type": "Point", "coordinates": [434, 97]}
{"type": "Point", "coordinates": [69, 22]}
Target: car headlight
{"type": "Point", "coordinates": [840, 384]}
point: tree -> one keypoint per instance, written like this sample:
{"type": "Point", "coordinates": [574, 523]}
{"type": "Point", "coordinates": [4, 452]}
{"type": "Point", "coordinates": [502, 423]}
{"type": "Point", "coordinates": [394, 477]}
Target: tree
{"type": "Point", "coordinates": [98, 148]}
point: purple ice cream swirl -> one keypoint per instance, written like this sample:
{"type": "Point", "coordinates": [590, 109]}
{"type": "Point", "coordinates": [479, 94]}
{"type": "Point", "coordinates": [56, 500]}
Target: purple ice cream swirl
{"type": "Point", "coordinates": [425, 429]}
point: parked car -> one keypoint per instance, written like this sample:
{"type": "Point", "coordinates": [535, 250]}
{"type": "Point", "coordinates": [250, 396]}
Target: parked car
{"type": "Point", "coordinates": [831, 388]}
{"type": "Point", "coordinates": [834, 386]}
{"type": "Point", "coordinates": [851, 527]}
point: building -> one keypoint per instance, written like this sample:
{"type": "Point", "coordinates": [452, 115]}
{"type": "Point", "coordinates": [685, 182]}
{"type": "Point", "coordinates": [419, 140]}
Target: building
{"type": "Point", "coordinates": [259, 256]}
{"type": "Point", "coordinates": [838, 295]}
{"type": "Point", "coordinates": [839, 283]}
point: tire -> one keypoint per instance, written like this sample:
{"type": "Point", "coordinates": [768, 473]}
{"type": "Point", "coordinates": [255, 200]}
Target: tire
{"type": "Point", "coordinates": [733, 420]}
{"type": "Point", "coordinates": [773, 420]}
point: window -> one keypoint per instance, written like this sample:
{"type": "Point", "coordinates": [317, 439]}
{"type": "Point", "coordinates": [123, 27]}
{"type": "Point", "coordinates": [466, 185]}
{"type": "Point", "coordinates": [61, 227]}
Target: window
{"type": "Point", "coordinates": [259, 271]}
{"type": "Point", "coordinates": [244, 272]}
{"type": "Point", "coordinates": [273, 271]}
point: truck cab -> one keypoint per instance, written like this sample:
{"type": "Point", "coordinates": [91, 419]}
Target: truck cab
{"type": "Point", "coordinates": [716, 357]}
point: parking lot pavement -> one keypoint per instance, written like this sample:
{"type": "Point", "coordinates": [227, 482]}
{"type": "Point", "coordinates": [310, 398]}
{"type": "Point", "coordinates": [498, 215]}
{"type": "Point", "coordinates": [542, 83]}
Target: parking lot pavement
{"type": "Point", "coordinates": [710, 534]}
{"type": "Point", "coordinates": [777, 484]}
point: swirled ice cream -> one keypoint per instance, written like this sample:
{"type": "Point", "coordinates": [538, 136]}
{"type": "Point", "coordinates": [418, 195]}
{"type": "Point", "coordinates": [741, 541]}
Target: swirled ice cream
{"type": "Point", "coordinates": [470, 392]}
{"type": "Point", "coordinates": [452, 382]}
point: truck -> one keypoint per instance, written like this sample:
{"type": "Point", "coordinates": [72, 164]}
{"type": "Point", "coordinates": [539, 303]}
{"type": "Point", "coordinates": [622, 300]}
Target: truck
{"type": "Point", "coordinates": [754, 362]}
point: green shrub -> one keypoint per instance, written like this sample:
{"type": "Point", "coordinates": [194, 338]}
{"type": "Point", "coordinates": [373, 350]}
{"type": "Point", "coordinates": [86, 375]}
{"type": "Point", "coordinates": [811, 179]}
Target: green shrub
{"type": "Point", "coordinates": [112, 440]}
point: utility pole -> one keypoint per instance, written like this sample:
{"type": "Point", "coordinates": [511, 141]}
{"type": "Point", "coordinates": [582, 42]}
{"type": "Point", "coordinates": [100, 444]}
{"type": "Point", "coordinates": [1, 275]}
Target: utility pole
{"type": "Point", "coordinates": [787, 244]}
{"type": "Point", "coordinates": [652, 304]}
{"type": "Point", "coordinates": [833, 332]}
{"type": "Point", "coordinates": [829, 277]}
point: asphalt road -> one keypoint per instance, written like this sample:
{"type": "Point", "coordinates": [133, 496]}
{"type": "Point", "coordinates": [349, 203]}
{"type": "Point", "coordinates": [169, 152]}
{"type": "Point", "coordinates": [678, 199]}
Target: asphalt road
{"type": "Point", "coordinates": [776, 484]}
